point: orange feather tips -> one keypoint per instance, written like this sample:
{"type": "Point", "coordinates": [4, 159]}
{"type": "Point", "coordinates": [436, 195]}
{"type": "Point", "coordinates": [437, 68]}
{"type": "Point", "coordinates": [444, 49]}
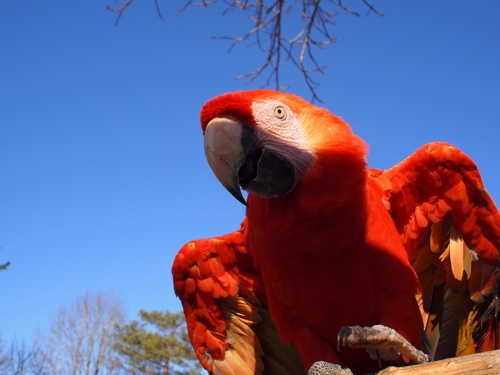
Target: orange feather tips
{"type": "Point", "coordinates": [460, 255]}
{"type": "Point", "coordinates": [224, 304]}
{"type": "Point", "coordinates": [451, 230]}
{"type": "Point", "coordinates": [437, 180]}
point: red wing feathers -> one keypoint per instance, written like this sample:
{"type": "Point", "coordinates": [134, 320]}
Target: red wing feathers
{"type": "Point", "coordinates": [436, 180]}
{"type": "Point", "coordinates": [450, 227]}
{"type": "Point", "coordinates": [226, 312]}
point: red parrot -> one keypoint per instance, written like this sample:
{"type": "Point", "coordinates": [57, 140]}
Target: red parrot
{"type": "Point", "coordinates": [331, 251]}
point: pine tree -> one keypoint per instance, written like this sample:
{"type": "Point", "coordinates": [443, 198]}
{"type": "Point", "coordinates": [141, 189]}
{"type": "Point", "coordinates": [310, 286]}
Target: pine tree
{"type": "Point", "coordinates": [158, 344]}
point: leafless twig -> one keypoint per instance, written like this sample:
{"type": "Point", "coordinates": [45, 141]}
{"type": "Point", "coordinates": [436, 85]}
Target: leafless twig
{"type": "Point", "coordinates": [124, 4]}
{"type": "Point", "coordinates": [317, 17]}
{"type": "Point", "coordinates": [268, 17]}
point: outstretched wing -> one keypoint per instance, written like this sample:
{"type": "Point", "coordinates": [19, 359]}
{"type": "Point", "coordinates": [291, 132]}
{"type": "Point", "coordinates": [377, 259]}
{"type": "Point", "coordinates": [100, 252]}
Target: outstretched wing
{"type": "Point", "coordinates": [226, 310]}
{"type": "Point", "coordinates": [450, 227]}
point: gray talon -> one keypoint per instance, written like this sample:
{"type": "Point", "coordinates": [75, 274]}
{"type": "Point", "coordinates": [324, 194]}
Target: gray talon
{"type": "Point", "coordinates": [381, 343]}
{"type": "Point", "coordinates": [326, 368]}
{"type": "Point", "coordinates": [342, 338]}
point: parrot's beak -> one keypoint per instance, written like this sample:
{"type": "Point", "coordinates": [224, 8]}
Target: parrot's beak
{"type": "Point", "coordinates": [238, 160]}
{"type": "Point", "coordinates": [225, 153]}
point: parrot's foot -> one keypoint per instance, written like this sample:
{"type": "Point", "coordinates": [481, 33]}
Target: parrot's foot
{"type": "Point", "coordinates": [380, 342]}
{"type": "Point", "coordinates": [326, 368]}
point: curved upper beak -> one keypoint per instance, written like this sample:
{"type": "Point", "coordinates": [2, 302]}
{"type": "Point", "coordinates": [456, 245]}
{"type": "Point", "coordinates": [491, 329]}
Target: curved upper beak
{"type": "Point", "coordinates": [226, 152]}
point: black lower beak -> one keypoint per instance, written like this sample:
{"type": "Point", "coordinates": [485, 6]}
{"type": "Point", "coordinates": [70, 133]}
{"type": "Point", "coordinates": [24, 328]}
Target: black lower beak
{"type": "Point", "coordinates": [266, 174]}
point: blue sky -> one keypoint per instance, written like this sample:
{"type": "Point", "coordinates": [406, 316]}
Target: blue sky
{"type": "Point", "coordinates": [102, 171]}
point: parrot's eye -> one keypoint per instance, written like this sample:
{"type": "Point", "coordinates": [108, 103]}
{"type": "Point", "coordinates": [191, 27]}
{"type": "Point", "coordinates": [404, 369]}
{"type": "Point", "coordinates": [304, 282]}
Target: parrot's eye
{"type": "Point", "coordinates": [279, 112]}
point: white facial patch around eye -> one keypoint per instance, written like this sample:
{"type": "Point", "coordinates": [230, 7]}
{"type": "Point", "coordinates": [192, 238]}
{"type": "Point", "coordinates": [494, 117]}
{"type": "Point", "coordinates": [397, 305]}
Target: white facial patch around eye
{"type": "Point", "coordinates": [282, 132]}
{"type": "Point", "coordinates": [285, 129]}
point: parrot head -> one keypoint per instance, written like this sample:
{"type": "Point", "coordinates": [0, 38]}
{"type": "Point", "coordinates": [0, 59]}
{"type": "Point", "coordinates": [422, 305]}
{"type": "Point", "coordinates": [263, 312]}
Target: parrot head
{"type": "Point", "coordinates": [265, 141]}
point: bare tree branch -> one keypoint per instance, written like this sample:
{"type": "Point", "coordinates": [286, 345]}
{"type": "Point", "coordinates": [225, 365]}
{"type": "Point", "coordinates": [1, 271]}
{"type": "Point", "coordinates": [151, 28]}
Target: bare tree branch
{"type": "Point", "coordinates": [267, 33]}
{"type": "Point", "coordinates": [124, 4]}
{"type": "Point", "coordinates": [371, 8]}
{"type": "Point", "coordinates": [80, 338]}
{"type": "Point", "coordinates": [317, 17]}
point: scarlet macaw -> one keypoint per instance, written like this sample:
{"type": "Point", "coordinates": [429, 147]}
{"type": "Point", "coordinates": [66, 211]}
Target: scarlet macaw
{"type": "Point", "coordinates": [330, 248]}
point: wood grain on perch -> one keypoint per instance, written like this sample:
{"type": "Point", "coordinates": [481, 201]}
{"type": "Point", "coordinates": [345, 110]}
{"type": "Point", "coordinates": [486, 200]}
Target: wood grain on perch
{"type": "Point", "coordinates": [478, 364]}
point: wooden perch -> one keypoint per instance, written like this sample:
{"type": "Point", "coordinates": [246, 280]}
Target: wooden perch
{"type": "Point", "coordinates": [478, 364]}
